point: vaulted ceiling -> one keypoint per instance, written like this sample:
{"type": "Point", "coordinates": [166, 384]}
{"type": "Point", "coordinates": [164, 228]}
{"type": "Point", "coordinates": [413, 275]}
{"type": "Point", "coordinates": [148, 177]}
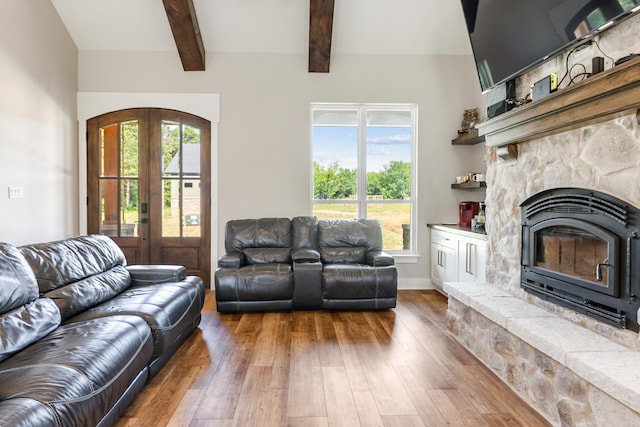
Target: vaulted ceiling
{"type": "Point", "coordinates": [318, 28]}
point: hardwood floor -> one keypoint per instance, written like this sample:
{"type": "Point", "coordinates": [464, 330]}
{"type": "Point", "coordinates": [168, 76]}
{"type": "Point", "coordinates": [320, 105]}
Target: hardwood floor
{"type": "Point", "coordinates": [314, 368]}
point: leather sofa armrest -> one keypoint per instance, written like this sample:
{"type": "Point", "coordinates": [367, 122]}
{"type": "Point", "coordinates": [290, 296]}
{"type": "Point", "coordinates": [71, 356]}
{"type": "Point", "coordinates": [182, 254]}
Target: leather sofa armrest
{"type": "Point", "coordinates": [231, 260]}
{"type": "Point", "coordinates": [305, 255]}
{"type": "Point", "coordinates": [379, 258]}
{"type": "Point", "coordinates": [150, 274]}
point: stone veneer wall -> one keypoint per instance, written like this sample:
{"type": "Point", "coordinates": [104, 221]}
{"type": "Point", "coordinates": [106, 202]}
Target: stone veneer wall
{"type": "Point", "coordinates": [604, 157]}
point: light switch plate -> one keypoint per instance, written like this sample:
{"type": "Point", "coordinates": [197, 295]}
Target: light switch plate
{"type": "Point", "coordinates": [16, 192]}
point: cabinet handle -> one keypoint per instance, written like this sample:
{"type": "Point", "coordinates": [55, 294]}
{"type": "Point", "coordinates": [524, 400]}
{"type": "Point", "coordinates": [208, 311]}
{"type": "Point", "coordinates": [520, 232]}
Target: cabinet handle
{"type": "Point", "coordinates": [439, 257]}
{"type": "Point", "coordinates": [468, 259]}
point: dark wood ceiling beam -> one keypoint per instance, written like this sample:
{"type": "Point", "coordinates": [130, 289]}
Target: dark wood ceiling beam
{"type": "Point", "coordinates": [320, 29]}
{"type": "Point", "coordinates": [186, 33]}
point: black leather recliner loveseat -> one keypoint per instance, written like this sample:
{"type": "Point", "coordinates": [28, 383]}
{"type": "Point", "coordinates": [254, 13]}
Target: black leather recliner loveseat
{"type": "Point", "coordinates": [276, 264]}
{"type": "Point", "coordinates": [81, 333]}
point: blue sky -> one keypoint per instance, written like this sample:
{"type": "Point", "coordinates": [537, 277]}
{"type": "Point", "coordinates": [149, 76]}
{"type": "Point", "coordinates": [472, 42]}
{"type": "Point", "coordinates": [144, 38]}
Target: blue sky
{"type": "Point", "coordinates": [340, 143]}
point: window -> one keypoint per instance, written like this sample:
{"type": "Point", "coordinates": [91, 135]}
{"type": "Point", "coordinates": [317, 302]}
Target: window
{"type": "Point", "coordinates": [364, 166]}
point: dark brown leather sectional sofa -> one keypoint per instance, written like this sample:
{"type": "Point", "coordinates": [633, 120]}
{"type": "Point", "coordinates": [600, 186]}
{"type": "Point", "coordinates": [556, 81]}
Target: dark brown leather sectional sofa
{"type": "Point", "coordinates": [81, 332]}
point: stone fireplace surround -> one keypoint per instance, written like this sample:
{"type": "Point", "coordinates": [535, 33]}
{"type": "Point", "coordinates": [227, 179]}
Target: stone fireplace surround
{"type": "Point", "coordinates": [574, 370]}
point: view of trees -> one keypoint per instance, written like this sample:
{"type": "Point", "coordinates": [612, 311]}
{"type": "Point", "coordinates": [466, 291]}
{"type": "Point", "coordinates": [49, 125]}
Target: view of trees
{"type": "Point", "coordinates": [129, 157]}
{"type": "Point", "coordinates": [335, 182]}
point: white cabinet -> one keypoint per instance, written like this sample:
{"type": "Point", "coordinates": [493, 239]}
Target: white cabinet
{"type": "Point", "coordinates": [457, 255]}
{"type": "Point", "coordinates": [472, 259]}
{"type": "Point", "coordinates": [443, 257]}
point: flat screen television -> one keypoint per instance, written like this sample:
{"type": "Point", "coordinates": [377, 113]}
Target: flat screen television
{"type": "Point", "coordinates": [509, 37]}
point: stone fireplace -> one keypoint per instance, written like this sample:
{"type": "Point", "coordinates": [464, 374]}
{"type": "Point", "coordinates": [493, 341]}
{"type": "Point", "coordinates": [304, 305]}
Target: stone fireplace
{"type": "Point", "coordinates": [576, 370]}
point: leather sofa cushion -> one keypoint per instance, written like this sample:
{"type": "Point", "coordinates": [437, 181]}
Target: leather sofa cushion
{"type": "Point", "coordinates": [24, 318]}
{"type": "Point", "coordinates": [165, 307]}
{"type": "Point", "coordinates": [76, 297]}
{"type": "Point", "coordinates": [80, 370]}
{"type": "Point", "coordinates": [58, 263]}
{"type": "Point", "coordinates": [364, 232]}
{"type": "Point", "coordinates": [267, 255]}
{"type": "Point", "coordinates": [257, 233]}
{"type": "Point", "coordinates": [26, 412]}
{"type": "Point", "coordinates": [305, 232]}
{"type": "Point", "coordinates": [149, 274]}
{"type": "Point", "coordinates": [356, 281]}
{"type": "Point", "coordinates": [18, 284]}
{"type": "Point", "coordinates": [342, 255]}
{"type": "Point", "coordinates": [258, 282]}
{"type": "Point", "coordinates": [26, 324]}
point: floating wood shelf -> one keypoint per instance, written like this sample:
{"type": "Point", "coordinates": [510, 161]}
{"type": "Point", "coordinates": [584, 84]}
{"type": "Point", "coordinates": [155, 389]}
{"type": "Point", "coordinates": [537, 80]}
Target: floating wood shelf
{"type": "Point", "coordinates": [469, 185]}
{"type": "Point", "coordinates": [469, 138]}
{"type": "Point", "coordinates": [610, 94]}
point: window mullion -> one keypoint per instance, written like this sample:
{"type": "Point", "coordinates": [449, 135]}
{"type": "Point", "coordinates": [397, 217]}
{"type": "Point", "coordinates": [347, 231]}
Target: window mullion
{"type": "Point", "coordinates": [362, 162]}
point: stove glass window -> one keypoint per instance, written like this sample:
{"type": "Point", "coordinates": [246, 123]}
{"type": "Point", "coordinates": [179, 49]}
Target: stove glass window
{"type": "Point", "coordinates": [573, 252]}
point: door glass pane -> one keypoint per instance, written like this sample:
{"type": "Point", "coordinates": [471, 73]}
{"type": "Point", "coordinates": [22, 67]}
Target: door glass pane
{"type": "Point", "coordinates": [129, 208]}
{"type": "Point", "coordinates": [171, 182]}
{"type": "Point", "coordinates": [129, 152]}
{"type": "Point", "coordinates": [171, 209]}
{"type": "Point", "coordinates": [119, 179]}
{"type": "Point", "coordinates": [109, 150]}
{"type": "Point", "coordinates": [191, 207]}
{"type": "Point", "coordinates": [191, 151]}
{"type": "Point", "coordinates": [181, 180]}
{"type": "Point", "coordinates": [109, 207]}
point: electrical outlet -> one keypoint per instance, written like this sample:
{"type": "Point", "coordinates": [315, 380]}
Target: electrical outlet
{"type": "Point", "coordinates": [16, 192]}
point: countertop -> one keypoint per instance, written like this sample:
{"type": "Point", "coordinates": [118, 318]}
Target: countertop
{"type": "Point", "coordinates": [456, 229]}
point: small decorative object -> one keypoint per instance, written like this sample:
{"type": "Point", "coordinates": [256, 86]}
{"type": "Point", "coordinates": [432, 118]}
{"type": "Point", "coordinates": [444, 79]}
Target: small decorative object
{"type": "Point", "coordinates": [469, 120]}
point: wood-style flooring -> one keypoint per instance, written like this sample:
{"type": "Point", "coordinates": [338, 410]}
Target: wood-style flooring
{"type": "Point", "coordinates": [315, 368]}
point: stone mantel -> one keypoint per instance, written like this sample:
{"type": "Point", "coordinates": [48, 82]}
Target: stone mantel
{"type": "Point", "coordinates": [605, 96]}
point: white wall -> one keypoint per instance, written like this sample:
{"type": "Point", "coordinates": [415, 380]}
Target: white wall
{"type": "Point", "coordinates": [38, 137]}
{"type": "Point", "coordinates": [263, 143]}
{"type": "Point", "coordinates": [263, 151]}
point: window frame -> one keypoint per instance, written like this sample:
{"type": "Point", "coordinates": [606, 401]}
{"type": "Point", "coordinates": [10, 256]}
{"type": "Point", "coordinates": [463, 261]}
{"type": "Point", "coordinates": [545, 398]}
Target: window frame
{"type": "Point", "coordinates": [361, 201]}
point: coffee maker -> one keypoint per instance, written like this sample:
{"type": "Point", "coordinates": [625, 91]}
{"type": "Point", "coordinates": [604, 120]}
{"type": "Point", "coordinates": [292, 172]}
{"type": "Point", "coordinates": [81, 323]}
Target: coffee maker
{"type": "Point", "coordinates": [467, 211]}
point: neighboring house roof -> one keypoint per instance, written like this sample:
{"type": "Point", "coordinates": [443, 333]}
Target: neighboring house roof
{"type": "Point", "coordinates": [190, 163]}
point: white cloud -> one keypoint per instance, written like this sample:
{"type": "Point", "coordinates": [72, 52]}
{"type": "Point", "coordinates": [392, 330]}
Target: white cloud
{"type": "Point", "coordinates": [390, 139]}
{"type": "Point", "coordinates": [378, 150]}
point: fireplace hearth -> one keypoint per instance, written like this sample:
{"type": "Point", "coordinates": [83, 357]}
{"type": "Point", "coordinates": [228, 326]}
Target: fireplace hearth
{"type": "Point", "coordinates": [581, 250]}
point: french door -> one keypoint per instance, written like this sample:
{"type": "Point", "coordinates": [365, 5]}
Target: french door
{"type": "Point", "coordinates": [148, 186]}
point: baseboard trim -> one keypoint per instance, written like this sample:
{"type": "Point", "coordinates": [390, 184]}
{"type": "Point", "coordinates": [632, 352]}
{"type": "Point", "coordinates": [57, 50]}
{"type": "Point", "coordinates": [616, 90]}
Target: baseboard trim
{"type": "Point", "coordinates": [418, 283]}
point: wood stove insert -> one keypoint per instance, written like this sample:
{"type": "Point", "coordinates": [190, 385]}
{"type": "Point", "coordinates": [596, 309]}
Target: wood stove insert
{"type": "Point", "coordinates": [580, 249]}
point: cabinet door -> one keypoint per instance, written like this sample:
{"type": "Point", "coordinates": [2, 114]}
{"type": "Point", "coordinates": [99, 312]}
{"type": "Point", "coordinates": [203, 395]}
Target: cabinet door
{"type": "Point", "coordinates": [443, 265]}
{"type": "Point", "coordinates": [448, 259]}
{"type": "Point", "coordinates": [437, 270]}
{"type": "Point", "coordinates": [472, 259]}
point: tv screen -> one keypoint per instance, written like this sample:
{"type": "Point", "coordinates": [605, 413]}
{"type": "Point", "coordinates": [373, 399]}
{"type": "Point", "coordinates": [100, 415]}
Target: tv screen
{"type": "Point", "coordinates": [510, 36]}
